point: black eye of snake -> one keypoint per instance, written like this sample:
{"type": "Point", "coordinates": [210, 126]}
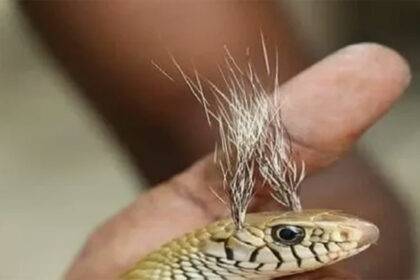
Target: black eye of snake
{"type": "Point", "coordinates": [287, 234]}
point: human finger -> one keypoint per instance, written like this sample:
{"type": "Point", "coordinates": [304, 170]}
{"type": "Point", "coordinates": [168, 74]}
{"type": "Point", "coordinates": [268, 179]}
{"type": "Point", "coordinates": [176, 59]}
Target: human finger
{"type": "Point", "coordinates": [326, 108]}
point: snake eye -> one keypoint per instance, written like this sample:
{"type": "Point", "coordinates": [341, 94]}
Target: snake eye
{"type": "Point", "coordinates": [288, 235]}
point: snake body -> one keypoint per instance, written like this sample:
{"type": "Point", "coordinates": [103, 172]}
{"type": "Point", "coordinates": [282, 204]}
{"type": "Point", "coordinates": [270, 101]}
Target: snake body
{"type": "Point", "coordinates": [269, 245]}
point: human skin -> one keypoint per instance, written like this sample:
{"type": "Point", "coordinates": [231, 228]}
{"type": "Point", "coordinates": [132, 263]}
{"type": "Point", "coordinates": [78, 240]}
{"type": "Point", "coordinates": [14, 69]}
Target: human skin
{"type": "Point", "coordinates": [107, 46]}
{"type": "Point", "coordinates": [352, 101]}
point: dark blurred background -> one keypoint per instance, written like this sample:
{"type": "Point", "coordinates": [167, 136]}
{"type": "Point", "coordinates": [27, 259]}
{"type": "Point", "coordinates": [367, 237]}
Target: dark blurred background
{"type": "Point", "coordinates": [62, 172]}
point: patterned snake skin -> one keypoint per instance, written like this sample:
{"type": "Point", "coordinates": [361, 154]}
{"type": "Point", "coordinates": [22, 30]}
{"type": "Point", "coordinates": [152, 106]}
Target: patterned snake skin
{"type": "Point", "coordinates": [262, 249]}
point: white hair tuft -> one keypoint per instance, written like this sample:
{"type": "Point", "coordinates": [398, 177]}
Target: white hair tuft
{"type": "Point", "coordinates": [252, 138]}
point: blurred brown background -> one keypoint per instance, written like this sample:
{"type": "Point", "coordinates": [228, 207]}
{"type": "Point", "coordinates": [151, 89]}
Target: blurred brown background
{"type": "Point", "coordinates": [62, 173]}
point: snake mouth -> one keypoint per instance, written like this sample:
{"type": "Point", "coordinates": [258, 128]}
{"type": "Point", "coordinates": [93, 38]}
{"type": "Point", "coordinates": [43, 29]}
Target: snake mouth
{"type": "Point", "coordinates": [309, 262]}
{"type": "Point", "coordinates": [300, 258]}
{"type": "Point", "coordinates": [285, 267]}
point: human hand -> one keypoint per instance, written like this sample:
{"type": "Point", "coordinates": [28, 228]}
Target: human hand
{"type": "Point", "coordinates": [326, 108]}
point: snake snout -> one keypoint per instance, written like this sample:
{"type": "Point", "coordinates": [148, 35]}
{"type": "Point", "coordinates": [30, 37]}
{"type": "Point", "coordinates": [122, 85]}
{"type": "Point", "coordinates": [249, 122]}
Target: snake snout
{"type": "Point", "coordinates": [362, 232]}
{"type": "Point", "coordinates": [370, 233]}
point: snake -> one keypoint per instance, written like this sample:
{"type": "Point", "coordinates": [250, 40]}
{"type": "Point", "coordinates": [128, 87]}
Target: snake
{"type": "Point", "coordinates": [269, 245]}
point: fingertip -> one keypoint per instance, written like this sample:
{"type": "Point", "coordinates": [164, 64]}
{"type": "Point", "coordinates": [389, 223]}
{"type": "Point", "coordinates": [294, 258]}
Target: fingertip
{"type": "Point", "coordinates": [329, 105]}
{"type": "Point", "coordinates": [380, 57]}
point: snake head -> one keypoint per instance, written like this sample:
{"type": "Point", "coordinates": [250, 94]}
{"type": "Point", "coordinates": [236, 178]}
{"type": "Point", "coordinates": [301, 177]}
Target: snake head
{"type": "Point", "coordinates": [277, 244]}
